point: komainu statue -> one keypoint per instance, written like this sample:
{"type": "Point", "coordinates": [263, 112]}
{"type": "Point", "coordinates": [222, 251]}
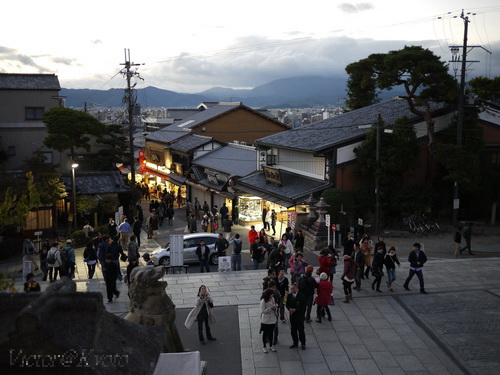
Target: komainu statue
{"type": "Point", "coordinates": [151, 306]}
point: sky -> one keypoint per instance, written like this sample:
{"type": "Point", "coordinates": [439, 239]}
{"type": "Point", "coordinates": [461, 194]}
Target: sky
{"type": "Point", "coordinates": [190, 46]}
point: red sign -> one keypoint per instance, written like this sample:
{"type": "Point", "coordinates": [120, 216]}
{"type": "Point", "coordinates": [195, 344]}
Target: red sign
{"type": "Point", "coordinates": [334, 228]}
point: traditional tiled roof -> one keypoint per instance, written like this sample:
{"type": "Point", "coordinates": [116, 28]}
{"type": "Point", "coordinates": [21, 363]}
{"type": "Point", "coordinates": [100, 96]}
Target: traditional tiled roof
{"type": "Point", "coordinates": [230, 159]}
{"type": "Point", "coordinates": [166, 135]}
{"type": "Point", "coordinates": [17, 81]}
{"type": "Point", "coordinates": [294, 189]}
{"type": "Point", "coordinates": [323, 135]}
{"type": "Point", "coordinates": [96, 183]}
{"type": "Point", "coordinates": [216, 111]}
{"type": "Point", "coordinates": [190, 143]}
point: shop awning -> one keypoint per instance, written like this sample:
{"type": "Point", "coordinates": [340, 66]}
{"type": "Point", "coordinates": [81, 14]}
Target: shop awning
{"type": "Point", "coordinates": [294, 189]}
{"type": "Point", "coordinates": [173, 178]}
{"type": "Point", "coordinates": [271, 198]}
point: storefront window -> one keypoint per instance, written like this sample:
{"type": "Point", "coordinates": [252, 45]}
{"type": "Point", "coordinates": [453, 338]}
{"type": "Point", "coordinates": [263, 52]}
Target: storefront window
{"type": "Point", "coordinates": [250, 209]}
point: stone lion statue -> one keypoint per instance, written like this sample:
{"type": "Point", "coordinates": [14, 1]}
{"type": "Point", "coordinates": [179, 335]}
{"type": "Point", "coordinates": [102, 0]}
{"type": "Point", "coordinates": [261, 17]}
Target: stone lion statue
{"type": "Point", "coordinates": [151, 306]}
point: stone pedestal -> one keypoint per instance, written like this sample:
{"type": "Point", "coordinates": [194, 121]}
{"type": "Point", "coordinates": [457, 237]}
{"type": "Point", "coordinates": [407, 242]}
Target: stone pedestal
{"type": "Point", "coordinates": [316, 237]}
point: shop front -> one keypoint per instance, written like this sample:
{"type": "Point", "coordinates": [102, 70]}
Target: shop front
{"type": "Point", "coordinates": [159, 180]}
{"type": "Point", "coordinates": [281, 191]}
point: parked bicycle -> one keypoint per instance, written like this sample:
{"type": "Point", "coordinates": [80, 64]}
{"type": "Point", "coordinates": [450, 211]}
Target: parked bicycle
{"type": "Point", "coordinates": [419, 225]}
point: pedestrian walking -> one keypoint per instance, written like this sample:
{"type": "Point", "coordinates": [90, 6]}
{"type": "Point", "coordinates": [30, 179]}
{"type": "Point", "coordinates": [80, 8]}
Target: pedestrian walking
{"type": "Point", "coordinates": [350, 268]}
{"type": "Point", "coordinates": [417, 259]}
{"type": "Point", "coordinates": [133, 249]}
{"type": "Point", "coordinates": [457, 239]}
{"type": "Point", "coordinates": [323, 297]}
{"type": "Point", "coordinates": [467, 238]}
{"type": "Point", "coordinates": [390, 261]}
{"type": "Point", "coordinates": [367, 249]}
{"type": "Point", "coordinates": [136, 229]}
{"type": "Point", "coordinates": [268, 319]}
{"type": "Point", "coordinates": [54, 261]}
{"type": "Point", "coordinates": [202, 312]}
{"type": "Point", "coordinates": [283, 286]}
{"type": "Point", "coordinates": [111, 272]}
{"type": "Point", "coordinates": [378, 268]}
{"type": "Point", "coordinates": [125, 229]}
{"type": "Point", "coordinates": [296, 306]}
{"type": "Point", "coordinates": [30, 253]}
{"type": "Point", "coordinates": [359, 258]}
{"type": "Point", "coordinates": [152, 225]}
{"type": "Point", "coordinates": [90, 258]}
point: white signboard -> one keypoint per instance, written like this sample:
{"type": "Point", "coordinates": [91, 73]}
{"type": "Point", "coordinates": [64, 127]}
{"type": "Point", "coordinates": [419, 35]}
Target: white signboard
{"type": "Point", "coordinates": [176, 250]}
{"type": "Point", "coordinates": [224, 264]}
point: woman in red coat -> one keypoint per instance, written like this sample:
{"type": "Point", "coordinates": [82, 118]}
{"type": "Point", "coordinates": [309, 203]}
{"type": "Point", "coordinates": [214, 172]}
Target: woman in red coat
{"type": "Point", "coordinates": [326, 261]}
{"type": "Point", "coordinates": [325, 289]}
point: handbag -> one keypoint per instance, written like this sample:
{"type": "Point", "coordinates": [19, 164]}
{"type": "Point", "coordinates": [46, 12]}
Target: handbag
{"type": "Point", "coordinates": [123, 258]}
{"type": "Point", "coordinates": [332, 301]}
{"type": "Point", "coordinates": [211, 305]}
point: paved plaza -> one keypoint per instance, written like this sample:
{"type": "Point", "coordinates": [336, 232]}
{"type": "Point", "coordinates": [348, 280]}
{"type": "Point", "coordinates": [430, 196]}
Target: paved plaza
{"type": "Point", "coordinates": [454, 329]}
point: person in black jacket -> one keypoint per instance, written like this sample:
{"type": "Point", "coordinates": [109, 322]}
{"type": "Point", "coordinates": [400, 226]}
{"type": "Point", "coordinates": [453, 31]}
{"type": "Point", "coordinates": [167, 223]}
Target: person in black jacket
{"type": "Point", "coordinates": [417, 258]}
{"type": "Point", "coordinates": [203, 253]}
{"type": "Point", "coordinates": [296, 305]}
{"type": "Point", "coordinates": [307, 285]}
{"type": "Point", "coordinates": [136, 228]}
{"type": "Point", "coordinates": [378, 268]}
{"type": "Point", "coordinates": [221, 244]}
{"type": "Point", "coordinates": [348, 244]}
{"type": "Point", "coordinates": [111, 274]}
{"type": "Point", "coordinates": [299, 241]}
{"type": "Point", "coordinates": [390, 261]}
{"type": "Point", "coordinates": [115, 250]}
{"type": "Point", "coordinates": [359, 258]}
{"type": "Point", "coordinates": [90, 257]}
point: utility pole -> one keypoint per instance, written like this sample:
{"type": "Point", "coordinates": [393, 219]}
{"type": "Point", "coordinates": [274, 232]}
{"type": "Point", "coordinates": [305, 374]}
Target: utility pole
{"type": "Point", "coordinates": [377, 179]}
{"type": "Point", "coordinates": [128, 73]}
{"type": "Point", "coordinates": [461, 100]}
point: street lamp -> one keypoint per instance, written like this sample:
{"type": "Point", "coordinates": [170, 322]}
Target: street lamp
{"type": "Point", "coordinates": [73, 183]}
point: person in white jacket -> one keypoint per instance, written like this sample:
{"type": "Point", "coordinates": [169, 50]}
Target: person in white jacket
{"type": "Point", "coordinates": [268, 319]}
{"type": "Point", "coordinates": [202, 312]}
{"type": "Point", "coordinates": [55, 267]}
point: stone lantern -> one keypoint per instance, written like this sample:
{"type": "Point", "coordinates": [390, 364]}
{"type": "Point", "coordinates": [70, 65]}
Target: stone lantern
{"type": "Point", "coordinates": [312, 215]}
{"type": "Point", "coordinates": [321, 207]}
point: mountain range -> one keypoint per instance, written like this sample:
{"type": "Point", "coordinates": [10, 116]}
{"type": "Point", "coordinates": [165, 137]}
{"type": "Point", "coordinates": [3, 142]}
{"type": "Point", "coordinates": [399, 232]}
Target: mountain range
{"type": "Point", "coordinates": [296, 92]}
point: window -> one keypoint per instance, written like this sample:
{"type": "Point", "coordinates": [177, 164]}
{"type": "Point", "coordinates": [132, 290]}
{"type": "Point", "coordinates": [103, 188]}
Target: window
{"type": "Point", "coordinates": [11, 151]}
{"type": "Point", "coordinates": [271, 159]}
{"type": "Point", "coordinates": [33, 113]}
{"type": "Point", "coordinates": [495, 160]}
{"type": "Point", "coordinates": [47, 155]}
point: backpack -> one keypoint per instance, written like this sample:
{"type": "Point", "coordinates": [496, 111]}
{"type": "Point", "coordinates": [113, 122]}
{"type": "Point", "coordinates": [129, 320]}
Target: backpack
{"type": "Point", "coordinates": [51, 258]}
{"type": "Point", "coordinates": [237, 248]}
{"type": "Point", "coordinates": [64, 257]}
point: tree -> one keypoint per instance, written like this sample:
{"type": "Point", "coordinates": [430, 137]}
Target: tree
{"type": "Point", "coordinates": [361, 84]}
{"type": "Point", "coordinates": [418, 71]}
{"type": "Point", "coordinates": [116, 148]}
{"type": "Point", "coordinates": [485, 88]}
{"type": "Point", "coordinates": [16, 203]}
{"type": "Point", "coordinates": [398, 153]}
{"type": "Point", "coordinates": [46, 179]}
{"type": "Point", "coordinates": [69, 130]}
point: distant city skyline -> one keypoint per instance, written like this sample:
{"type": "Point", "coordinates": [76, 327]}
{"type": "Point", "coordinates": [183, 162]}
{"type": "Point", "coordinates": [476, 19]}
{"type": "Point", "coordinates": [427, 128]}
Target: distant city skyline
{"type": "Point", "coordinates": [191, 46]}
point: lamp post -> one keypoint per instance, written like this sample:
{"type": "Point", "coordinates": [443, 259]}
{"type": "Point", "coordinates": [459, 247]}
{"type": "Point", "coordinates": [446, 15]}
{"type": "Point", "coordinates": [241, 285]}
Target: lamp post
{"type": "Point", "coordinates": [73, 183]}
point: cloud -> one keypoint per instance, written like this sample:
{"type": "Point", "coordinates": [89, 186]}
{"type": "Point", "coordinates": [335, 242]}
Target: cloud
{"type": "Point", "coordinates": [355, 8]}
{"type": "Point", "coordinates": [63, 60]}
{"type": "Point", "coordinates": [10, 58]}
{"type": "Point", "coordinates": [253, 61]}
{"type": "Point", "coordinates": [96, 41]}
